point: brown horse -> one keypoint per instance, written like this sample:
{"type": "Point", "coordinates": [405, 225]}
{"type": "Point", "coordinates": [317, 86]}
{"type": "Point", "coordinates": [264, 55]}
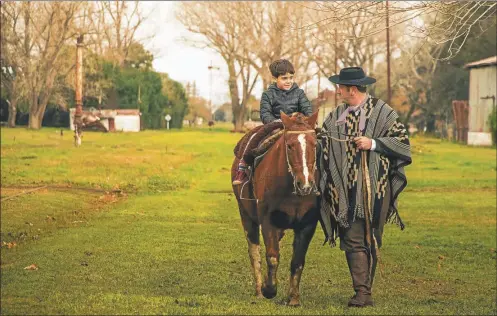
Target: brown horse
{"type": "Point", "coordinates": [282, 195]}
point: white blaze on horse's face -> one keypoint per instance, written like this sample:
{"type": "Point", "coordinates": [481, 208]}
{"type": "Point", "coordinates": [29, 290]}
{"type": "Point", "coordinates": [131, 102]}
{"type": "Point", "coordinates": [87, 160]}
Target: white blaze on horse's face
{"type": "Point", "coordinates": [301, 139]}
{"type": "Point", "coordinates": [301, 158]}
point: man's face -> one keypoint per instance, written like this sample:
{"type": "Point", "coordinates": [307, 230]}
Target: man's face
{"type": "Point", "coordinates": [285, 82]}
{"type": "Point", "coordinates": [345, 93]}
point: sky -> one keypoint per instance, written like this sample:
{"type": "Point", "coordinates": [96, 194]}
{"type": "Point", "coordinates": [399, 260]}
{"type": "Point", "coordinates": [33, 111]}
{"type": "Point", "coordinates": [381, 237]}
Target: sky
{"type": "Point", "coordinates": [185, 63]}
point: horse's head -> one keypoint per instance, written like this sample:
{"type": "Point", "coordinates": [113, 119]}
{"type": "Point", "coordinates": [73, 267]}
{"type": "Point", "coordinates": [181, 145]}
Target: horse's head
{"type": "Point", "coordinates": [300, 145]}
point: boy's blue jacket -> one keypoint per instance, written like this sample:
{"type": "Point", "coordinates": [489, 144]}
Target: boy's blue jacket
{"type": "Point", "coordinates": [275, 99]}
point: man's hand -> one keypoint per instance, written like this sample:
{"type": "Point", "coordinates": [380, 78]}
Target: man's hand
{"type": "Point", "coordinates": [363, 143]}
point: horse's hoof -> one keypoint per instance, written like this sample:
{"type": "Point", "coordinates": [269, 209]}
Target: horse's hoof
{"type": "Point", "coordinates": [293, 302]}
{"type": "Point", "coordinates": [259, 295]}
{"type": "Point", "coordinates": [269, 292]}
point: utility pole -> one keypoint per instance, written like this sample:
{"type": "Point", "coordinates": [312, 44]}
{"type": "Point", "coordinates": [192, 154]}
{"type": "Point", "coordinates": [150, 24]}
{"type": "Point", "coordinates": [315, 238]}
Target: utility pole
{"type": "Point", "coordinates": [78, 123]}
{"type": "Point", "coordinates": [388, 59]}
{"type": "Point", "coordinates": [211, 67]}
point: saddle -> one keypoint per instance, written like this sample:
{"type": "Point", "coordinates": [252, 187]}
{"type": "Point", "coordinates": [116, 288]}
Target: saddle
{"type": "Point", "coordinates": [259, 152]}
{"type": "Point", "coordinates": [261, 139]}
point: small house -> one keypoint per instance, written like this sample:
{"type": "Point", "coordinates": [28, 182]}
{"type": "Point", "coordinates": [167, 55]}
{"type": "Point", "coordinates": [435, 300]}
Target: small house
{"type": "Point", "coordinates": [482, 93]}
{"type": "Point", "coordinates": [116, 120]}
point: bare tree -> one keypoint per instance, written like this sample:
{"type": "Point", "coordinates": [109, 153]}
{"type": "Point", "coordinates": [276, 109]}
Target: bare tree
{"type": "Point", "coordinates": [38, 42]}
{"type": "Point", "coordinates": [48, 28]}
{"type": "Point", "coordinates": [13, 80]}
{"type": "Point", "coordinates": [413, 78]}
{"type": "Point", "coordinates": [434, 22]}
{"type": "Point", "coordinates": [34, 42]}
{"type": "Point", "coordinates": [117, 24]}
{"type": "Point", "coordinates": [272, 30]}
{"type": "Point", "coordinates": [449, 24]}
{"type": "Point", "coordinates": [249, 36]}
{"type": "Point", "coordinates": [114, 34]}
{"type": "Point", "coordinates": [219, 29]}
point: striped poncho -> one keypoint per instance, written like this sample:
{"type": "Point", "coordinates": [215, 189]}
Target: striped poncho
{"type": "Point", "coordinates": [341, 175]}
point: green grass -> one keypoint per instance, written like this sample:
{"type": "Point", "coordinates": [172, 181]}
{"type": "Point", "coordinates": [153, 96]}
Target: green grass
{"type": "Point", "coordinates": [171, 241]}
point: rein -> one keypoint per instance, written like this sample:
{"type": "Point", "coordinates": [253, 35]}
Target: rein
{"type": "Point", "coordinates": [342, 140]}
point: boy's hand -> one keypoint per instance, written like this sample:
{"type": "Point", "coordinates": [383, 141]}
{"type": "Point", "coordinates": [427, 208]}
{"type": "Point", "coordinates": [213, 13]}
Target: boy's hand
{"type": "Point", "coordinates": [363, 143]}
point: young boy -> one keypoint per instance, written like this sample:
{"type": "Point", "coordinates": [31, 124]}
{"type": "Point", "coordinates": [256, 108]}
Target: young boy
{"type": "Point", "coordinates": [282, 95]}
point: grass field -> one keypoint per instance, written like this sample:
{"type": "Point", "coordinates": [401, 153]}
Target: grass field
{"type": "Point", "coordinates": [145, 224]}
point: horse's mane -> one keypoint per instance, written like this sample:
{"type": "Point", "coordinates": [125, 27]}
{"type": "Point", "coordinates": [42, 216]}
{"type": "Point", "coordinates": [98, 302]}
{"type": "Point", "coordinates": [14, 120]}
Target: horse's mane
{"type": "Point", "coordinates": [300, 122]}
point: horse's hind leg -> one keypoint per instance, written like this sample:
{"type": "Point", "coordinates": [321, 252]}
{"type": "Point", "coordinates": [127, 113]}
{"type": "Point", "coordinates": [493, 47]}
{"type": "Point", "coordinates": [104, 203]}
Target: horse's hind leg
{"type": "Point", "coordinates": [272, 236]}
{"type": "Point", "coordinates": [254, 250]}
{"type": "Point", "coordinates": [303, 236]}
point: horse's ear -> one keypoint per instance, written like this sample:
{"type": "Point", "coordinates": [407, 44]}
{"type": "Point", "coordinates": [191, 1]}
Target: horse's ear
{"type": "Point", "coordinates": [313, 119]}
{"type": "Point", "coordinates": [285, 119]}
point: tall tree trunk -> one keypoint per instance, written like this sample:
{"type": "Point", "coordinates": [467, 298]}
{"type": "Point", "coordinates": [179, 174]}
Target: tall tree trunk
{"type": "Point", "coordinates": [12, 112]}
{"type": "Point", "coordinates": [36, 112]}
{"type": "Point", "coordinates": [430, 123]}
{"type": "Point", "coordinates": [409, 113]}
{"type": "Point", "coordinates": [239, 118]}
{"type": "Point", "coordinates": [34, 120]}
{"type": "Point", "coordinates": [236, 107]}
{"type": "Point", "coordinates": [40, 100]}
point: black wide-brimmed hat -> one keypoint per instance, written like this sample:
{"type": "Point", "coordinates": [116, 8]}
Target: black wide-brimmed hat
{"type": "Point", "coordinates": [352, 76]}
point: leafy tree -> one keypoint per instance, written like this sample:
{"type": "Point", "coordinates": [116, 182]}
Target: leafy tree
{"type": "Point", "coordinates": [138, 57]}
{"type": "Point", "coordinates": [198, 107]}
{"type": "Point", "coordinates": [220, 115]}
{"type": "Point", "coordinates": [151, 103]}
{"type": "Point", "coordinates": [177, 105]}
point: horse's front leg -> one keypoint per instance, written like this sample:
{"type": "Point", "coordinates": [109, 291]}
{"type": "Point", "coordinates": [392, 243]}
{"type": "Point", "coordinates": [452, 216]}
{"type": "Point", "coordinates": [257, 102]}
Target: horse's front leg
{"type": "Point", "coordinates": [251, 229]}
{"type": "Point", "coordinates": [302, 239]}
{"type": "Point", "coordinates": [272, 236]}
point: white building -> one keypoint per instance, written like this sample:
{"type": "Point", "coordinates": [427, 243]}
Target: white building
{"type": "Point", "coordinates": [118, 120]}
{"type": "Point", "coordinates": [482, 94]}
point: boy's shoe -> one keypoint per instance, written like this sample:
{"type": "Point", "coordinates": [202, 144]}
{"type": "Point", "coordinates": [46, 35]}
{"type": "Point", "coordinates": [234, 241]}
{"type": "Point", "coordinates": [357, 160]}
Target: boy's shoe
{"type": "Point", "coordinates": [240, 177]}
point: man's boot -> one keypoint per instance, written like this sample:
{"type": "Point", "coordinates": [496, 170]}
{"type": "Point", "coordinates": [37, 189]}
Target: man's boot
{"type": "Point", "coordinates": [359, 271]}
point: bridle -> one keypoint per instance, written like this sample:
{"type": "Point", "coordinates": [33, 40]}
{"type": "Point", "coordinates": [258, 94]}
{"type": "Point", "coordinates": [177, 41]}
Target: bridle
{"type": "Point", "coordinates": [296, 191]}
{"type": "Point", "coordinates": [314, 189]}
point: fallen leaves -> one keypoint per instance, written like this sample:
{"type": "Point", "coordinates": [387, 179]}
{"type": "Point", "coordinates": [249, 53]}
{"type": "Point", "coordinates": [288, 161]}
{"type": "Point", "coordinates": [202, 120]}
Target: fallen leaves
{"type": "Point", "coordinates": [440, 260]}
{"type": "Point", "coordinates": [31, 267]}
{"type": "Point", "coordinates": [9, 245]}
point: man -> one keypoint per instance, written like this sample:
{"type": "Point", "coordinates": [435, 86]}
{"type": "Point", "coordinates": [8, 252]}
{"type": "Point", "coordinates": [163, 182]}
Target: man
{"type": "Point", "coordinates": [364, 148]}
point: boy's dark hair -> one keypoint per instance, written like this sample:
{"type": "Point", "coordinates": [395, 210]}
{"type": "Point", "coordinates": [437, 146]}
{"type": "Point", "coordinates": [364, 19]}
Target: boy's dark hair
{"type": "Point", "coordinates": [281, 67]}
